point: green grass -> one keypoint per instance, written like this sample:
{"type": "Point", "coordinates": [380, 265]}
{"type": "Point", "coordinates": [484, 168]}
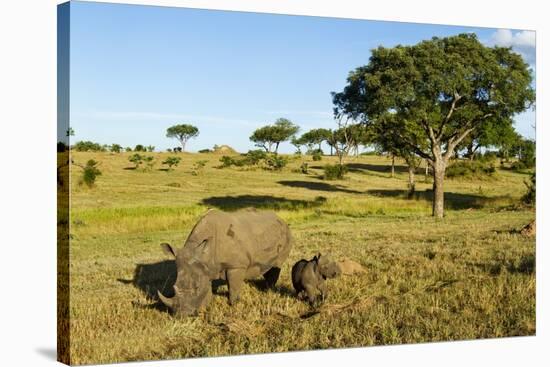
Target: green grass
{"type": "Point", "coordinates": [467, 276]}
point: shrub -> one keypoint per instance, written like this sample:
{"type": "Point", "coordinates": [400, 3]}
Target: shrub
{"type": "Point", "coordinates": [471, 169]}
{"type": "Point", "coordinates": [150, 148]}
{"type": "Point", "coordinates": [198, 167]}
{"type": "Point", "coordinates": [149, 162]}
{"type": "Point", "coordinates": [116, 148]}
{"type": "Point", "coordinates": [140, 148]}
{"type": "Point", "coordinates": [227, 161]}
{"type": "Point", "coordinates": [128, 149]}
{"type": "Point", "coordinates": [317, 156]}
{"type": "Point", "coordinates": [136, 159]}
{"type": "Point", "coordinates": [205, 151]}
{"type": "Point", "coordinates": [304, 167]}
{"type": "Point", "coordinates": [531, 194]}
{"type": "Point", "coordinates": [90, 173]}
{"type": "Point", "coordinates": [171, 161]}
{"type": "Point", "coordinates": [254, 157]}
{"type": "Point", "coordinates": [61, 147]}
{"type": "Point", "coordinates": [88, 146]}
{"type": "Point", "coordinates": [276, 162]}
{"type": "Point", "coordinates": [334, 172]}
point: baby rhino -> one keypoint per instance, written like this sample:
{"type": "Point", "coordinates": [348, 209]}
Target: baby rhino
{"type": "Point", "coordinates": [308, 280]}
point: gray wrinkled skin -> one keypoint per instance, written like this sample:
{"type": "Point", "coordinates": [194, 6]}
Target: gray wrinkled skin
{"type": "Point", "coordinates": [308, 281]}
{"type": "Point", "coordinates": [328, 267]}
{"type": "Point", "coordinates": [229, 246]}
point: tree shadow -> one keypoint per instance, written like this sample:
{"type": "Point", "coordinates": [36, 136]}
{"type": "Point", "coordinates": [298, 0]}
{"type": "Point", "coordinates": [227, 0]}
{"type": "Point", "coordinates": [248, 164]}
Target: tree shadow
{"type": "Point", "coordinates": [130, 168]}
{"type": "Point", "coordinates": [230, 203]}
{"type": "Point", "coordinates": [453, 200]}
{"type": "Point", "coordinates": [319, 186]}
{"type": "Point", "coordinates": [150, 278]}
{"type": "Point", "coordinates": [364, 167]}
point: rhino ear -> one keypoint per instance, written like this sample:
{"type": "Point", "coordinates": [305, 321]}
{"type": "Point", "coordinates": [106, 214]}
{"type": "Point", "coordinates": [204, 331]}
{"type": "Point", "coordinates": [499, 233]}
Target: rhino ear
{"type": "Point", "coordinates": [168, 249]}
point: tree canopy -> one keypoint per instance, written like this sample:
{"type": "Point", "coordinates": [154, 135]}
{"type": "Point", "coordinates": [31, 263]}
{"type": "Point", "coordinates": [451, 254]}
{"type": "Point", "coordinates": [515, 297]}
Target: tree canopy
{"type": "Point", "coordinates": [183, 133]}
{"type": "Point", "coordinates": [432, 95]}
{"type": "Point", "coordinates": [270, 136]}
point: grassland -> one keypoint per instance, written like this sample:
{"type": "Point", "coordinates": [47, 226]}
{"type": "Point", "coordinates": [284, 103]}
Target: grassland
{"type": "Point", "coordinates": [468, 276]}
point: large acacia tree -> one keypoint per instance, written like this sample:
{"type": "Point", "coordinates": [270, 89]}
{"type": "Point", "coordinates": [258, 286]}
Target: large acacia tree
{"type": "Point", "coordinates": [183, 133]}
{"type": "Point", "coordinates": [432, 95]}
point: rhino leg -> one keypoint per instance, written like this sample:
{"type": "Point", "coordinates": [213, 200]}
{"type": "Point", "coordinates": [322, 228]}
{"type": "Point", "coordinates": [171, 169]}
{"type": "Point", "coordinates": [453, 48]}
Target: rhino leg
{"type": "Point", "coordinates": [271, 277]}
{"type": "Point", "coordinates": [235, 280]}
{"type": "Point", "coordinates": [323, 290]}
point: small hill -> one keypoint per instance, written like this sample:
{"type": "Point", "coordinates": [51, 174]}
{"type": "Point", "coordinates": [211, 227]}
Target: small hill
{"type": "Point", "coordinates": [223, 149]}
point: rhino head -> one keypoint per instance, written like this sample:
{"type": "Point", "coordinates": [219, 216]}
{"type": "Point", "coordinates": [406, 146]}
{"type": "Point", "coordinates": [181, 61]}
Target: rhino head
{"type": "Point", "coordinates": [192, 289]}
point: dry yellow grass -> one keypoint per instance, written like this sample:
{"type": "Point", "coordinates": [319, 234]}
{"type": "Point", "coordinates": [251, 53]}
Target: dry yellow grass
{"type": "Point", "coordinates": [465, 277]}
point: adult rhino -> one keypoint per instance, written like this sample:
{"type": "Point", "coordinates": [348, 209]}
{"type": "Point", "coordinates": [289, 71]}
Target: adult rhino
{"type": "Point", "coordinates": [229, 246]}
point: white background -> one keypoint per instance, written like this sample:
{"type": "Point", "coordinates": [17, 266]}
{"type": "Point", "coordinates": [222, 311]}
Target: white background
{"type": "Point", "coordinates": [28, 183]}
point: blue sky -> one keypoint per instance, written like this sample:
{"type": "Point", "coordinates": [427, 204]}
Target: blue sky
{"type": "Point", "coordinates": [136, 70]}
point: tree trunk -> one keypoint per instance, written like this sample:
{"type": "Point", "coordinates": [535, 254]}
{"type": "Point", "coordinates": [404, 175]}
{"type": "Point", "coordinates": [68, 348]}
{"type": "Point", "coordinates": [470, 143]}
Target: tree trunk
{"type": "Point", "coordinates": [276, 147]}
{"type": "Point", "coordinates": [438, 192]}
{"type": "Point", "coordinates": [411, 181]}
{"type": "Point", "coordinates": [392, 166]}
{"type": "Point", "coordinates": [183, 145]}
{"type": "Point", "coordinates": [320, 150]}
{"type": "Point", "coordinates": [426, 173]}
{"type": "Point", "coordinates": [331, 154]}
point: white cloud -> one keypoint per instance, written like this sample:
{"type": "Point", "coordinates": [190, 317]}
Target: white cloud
{"type": "Point", "coordinates": [522, 42]}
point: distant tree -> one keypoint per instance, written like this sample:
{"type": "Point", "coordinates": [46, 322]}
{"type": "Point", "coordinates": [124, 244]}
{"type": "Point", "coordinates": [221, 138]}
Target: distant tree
{"type": "Point", "coordinates": [177, 150]}
{"type": "Point", "coordinates": [270, 136]}
{"type": "Point", "coordinates": [90, 173]}
{"type": "Point", "coordinates": [139, 148]}
{"type": "Point", "coordinates": [438, 91]}
{"type": "Point", "coordinates": [128, 149]}
{"type": "Point", "coordinates": [171, 161]}
{"type": "Point", "coordinates": [150, 148]}
{"type": "Point", "coordinates": [315, 137]}
{"type": "Point", "coordinates": [116, 148]}
{"type": "Point", "coordinates": [183, 133]}
{"type": "Point", "coordinates": [88, 146]}
{"type": "Point", "coordinates": [136, 159]}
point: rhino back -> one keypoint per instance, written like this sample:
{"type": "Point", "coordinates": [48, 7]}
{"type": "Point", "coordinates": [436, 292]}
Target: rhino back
{"type": "Point", "coordinates": [250, 239]}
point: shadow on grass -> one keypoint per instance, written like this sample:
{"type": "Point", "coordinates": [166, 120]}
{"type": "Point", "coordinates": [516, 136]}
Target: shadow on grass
{"type": "Point", "coordinates": [319, 186]}
{"type": "Point", "coordinates": [130, 168]}
{"type": "Point", "coordinates": [150, 278]}
{"type": "Point", "coordinates": [230, 203]}
{"type": "Point", "coordinates": [161, 276]}
{"type": "Point", "coordinates": [453, 200]}
{"type": "Point", "coordinates": [363, 167]}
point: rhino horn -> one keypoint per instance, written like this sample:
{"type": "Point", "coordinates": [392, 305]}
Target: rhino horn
{"type": "Point", "coordinates": [168, 302]}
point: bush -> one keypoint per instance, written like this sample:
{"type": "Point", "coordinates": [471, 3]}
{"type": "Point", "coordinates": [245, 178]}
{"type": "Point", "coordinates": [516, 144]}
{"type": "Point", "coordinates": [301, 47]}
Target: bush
{"type": "Point", "coordinates": [304, 168]}
{"type": "Point", "coordinates": [205, 151]}
{"type": "Point", "coordinates": [276, 162]}
{"type": "Point", "coordinates": [149, 161]}
{"type": "Point", "coordinates": [116, 148]}
{"type": "Point", "coordinates": [531, 194]}
{"type": "Point", "coordinates": [334, 172]}
{"type": "Point", "coordinates": [471, 169]}
{"type": "Point", "coordinates": [136, 159]}
{"type": "Point", "coordinates": [254, 157]}
{"type": "Point", "coordinates": [61, 147]}
{"type": "Point", "coordinates": [90, 173]}
{"type": "Point", "coordinates": [227, 161]}
{"type": "Point", "coordinates": [171, 161]}
{"type": "Point", "coordinates": [198, 167]}
{"type": "Point", "coordinates": [88, 146]}
{"type": "Point", "coordinates": [140, 148]}
{"type": "Point", "coordinates": [317, 156]}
